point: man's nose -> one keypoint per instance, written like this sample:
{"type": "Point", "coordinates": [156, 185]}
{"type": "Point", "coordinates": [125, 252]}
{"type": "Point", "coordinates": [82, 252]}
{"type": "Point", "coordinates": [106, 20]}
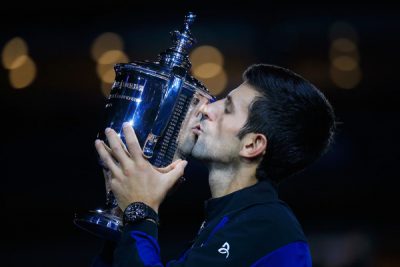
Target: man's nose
{"type": "Point", "coordinates": [207, 110]}
{"type": "Point", "coordinates": [202, 111]}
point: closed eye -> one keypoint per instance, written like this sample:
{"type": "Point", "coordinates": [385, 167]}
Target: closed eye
{"type": "Point", "coordinates": [228, 104]}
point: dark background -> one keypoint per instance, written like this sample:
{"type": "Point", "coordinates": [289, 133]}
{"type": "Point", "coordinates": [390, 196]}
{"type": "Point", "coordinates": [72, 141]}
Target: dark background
{"type": "Point", "coordinates": [347, 201]}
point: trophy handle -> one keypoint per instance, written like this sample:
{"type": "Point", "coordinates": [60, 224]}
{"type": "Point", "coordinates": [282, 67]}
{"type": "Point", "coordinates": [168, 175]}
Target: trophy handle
{"type": "Point", "coordinates": [165, 111]}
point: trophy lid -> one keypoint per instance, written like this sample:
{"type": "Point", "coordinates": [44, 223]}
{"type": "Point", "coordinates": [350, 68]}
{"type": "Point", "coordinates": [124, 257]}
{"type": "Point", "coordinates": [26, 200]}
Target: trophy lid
{"type": "Point", "coordinates": [175, 56]}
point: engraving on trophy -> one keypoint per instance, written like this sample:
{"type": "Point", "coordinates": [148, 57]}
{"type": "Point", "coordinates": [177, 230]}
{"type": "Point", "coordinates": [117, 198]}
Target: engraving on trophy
{"type": "Point", "coordinates": [133, 86]}
{"type": "Point", "coordinates": [125, 97]}
{"type": "Point", "coordinates": [169, 141]}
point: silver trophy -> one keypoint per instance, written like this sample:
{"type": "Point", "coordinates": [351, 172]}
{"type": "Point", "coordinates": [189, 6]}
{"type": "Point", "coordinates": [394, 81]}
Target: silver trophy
{"type": "Point", "coordinates": [158, 99]}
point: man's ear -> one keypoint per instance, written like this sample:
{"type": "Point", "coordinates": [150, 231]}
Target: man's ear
{"type": "Point", "coordinates": [253, 145]}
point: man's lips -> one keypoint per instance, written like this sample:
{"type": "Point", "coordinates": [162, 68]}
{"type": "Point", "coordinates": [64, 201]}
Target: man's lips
{"type": "Point", "coordinates": [197, 129]}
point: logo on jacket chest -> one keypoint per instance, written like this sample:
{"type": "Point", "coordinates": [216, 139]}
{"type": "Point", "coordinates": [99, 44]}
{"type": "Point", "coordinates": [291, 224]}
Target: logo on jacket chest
{"type": "Point", "coordinates": [224, 249]}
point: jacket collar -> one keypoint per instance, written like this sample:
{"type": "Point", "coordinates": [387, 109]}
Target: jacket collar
{"type": "Point", "coordinates": [261, 192]}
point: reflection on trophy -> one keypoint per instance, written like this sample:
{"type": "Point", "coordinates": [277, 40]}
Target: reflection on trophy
{"type": "Point", "coordinates": [158, 99]}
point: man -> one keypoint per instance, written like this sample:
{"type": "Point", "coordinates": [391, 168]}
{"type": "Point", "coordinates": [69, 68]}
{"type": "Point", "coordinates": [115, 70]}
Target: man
{"type": "Point", "coordinates": [273, 125]}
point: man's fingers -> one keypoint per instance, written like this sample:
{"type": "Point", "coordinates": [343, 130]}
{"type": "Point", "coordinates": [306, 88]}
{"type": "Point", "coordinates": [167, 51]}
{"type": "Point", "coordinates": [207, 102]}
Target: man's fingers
{"type": "Point", "coordinates": [125, 148]}
{"type": "Point", "coordinates": [132, 142]}
{"type": "Point", "coordinates": [122, 144]}
{"type": "Point", "coordinates": [176, 172]}
{"type": "Point", "coordinates": [169, 167]}
{"type": "Point", "coordinates": [106, 157]}
{"type": "Point", "coordinates": [117, 147]}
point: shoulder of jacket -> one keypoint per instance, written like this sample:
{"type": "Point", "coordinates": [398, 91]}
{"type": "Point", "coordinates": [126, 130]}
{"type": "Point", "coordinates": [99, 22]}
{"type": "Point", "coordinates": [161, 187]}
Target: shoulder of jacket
{"type": "Point", "coordinates": [270, 218]}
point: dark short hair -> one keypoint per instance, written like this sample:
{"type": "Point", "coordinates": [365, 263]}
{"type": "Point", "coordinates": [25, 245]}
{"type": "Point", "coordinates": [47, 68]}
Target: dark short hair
{"type": "Point", "coordinates": [296, 118]}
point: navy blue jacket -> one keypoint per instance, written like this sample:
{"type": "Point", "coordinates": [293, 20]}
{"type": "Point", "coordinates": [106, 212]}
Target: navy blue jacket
{"type": "Point", "coordinates": [250, 227]}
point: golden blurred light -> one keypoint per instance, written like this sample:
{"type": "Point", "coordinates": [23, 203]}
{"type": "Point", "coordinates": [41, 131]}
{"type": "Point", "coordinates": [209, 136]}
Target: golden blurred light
{"type": "Point", "coordinates": [24, 75]}
{"type": "Point", "coordinates": [102, 69]}
{"type": "Point", "coordinates": [105, 67]}
{"type": "Point", "coordinates": [216, 84]}
{"type": "Point", "coordinates": [206, 54]}
{"type": "Point", "coordinates": [13, 51]}
{"type": "Point", "coordinates": [354, 54]}
{"type": "Point", "coordinates": [207, 70]}
{"type": "Point", "coordinates": [108, 76]}
{"type": "Point", "coordinates": [345, 63]}
{"type": "Point", "coordinates": [19, 61]}
{"type": "Point", "coordinates": [113, 56]}
{"type": "Point", "coordinates": [106, 88]}
{"type": "Point", "coordinates": [342, 29]}
{"type": "Point", "coordinates": [105, 42]}
{"type": "Point", "coordinates": [344, 45]}
{"type": "Point", "coordinates": [345, 79]}
{"type": "Point", "coordinates": [106, 72]}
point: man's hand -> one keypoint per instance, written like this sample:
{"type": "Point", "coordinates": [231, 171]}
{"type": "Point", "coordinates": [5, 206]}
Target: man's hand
{"type": "Point", "coordinates": [133, 178]}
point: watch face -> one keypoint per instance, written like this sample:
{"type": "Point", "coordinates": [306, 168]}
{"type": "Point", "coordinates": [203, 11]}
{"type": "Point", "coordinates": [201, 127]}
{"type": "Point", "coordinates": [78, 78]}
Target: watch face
{"type": "Point", "coordinates": [135, 211]}
{"type": "Point", "coordinates": [138, 211]}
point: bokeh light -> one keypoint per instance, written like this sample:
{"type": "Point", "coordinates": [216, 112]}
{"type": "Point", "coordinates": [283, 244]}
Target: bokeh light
{"type": "Point", "coordinates": [346, 79]}
{"type": "Point", "coordinates": [24, 75]}
{"type": "Point", "coordinates": [106, 88]}
{"type": "Point", "coordinates": [112, 57]}
{"type": "Point", "coordinates": [217, 84]}
{"type": "Point", "coordinates": [14, 53]}
{"type": "Point", "coordinates": [107, 50]}
{"type": "Point", "coordinates": [106, 42]}
{"type": "Point", "coordinates": [206, 54]}
{"type": "Point", "coordinates": [207, 70]}
{"type": "Point", "coordinates": [345, 63]}
{"type": "Point", "coordinates": [207, 66]}
{"type": "Point", "coordinates": [343, 46]}
{"type": "Point", "coordinates": [345, 69]}
{"type": "Point", "coordinates": [106, 72]}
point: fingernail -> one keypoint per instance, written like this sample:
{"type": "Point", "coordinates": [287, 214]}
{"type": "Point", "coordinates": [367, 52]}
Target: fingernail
{"type": "Point", "coordinates": [125, 124]}
{"type": "Point", "coordinates": [97, 141]}
{"type": "Point", "coordinates": [108, 130]}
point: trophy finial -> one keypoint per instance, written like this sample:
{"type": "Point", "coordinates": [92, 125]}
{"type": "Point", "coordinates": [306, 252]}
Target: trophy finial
{"type": "Point", "coordinates": [189, 19]}
{"type": "Point", "coordinates": [183, 40]}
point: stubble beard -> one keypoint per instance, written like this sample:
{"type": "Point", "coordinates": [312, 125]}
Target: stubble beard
{"type": "Point", "coordinates": [186, 146]}
{"type": "Point", "coordinates": [200, 150]}
{"type": "Point", "coordinates": [214, 151]}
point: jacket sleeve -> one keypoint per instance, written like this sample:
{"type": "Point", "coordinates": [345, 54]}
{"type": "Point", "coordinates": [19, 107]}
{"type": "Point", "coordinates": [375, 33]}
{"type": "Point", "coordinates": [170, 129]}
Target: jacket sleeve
{"type": "Point", "coordinates": [138, 246]}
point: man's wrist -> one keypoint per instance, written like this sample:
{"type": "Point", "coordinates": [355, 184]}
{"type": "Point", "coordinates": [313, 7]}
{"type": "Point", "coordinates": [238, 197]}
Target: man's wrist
{"type": "Point", "coordinates": [138, 211]}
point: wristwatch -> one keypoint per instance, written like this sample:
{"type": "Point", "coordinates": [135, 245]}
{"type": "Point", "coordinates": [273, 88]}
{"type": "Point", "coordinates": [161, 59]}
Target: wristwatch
{"type": "Point", "coordinates": [138, 211]}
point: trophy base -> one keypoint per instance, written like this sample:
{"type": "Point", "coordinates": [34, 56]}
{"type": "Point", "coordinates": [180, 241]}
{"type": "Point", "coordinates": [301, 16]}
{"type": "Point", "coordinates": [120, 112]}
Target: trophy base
{"type": "Point", "coordinates": [101, 223]}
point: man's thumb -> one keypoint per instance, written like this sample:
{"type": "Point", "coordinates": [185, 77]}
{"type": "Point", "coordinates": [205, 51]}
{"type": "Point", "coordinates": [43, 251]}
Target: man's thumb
{"type": "Point", "coordinates": [177, 172]}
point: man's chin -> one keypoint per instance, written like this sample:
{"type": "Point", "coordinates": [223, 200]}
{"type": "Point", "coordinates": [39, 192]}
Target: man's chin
{"type": "Point", "coordinates": [185, 148]}
{"type": "Point", "coordinates": [199, 150]}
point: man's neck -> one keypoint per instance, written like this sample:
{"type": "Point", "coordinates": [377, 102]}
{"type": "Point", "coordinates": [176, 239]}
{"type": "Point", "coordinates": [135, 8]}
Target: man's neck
{"type": "Point", "coordinates": [228, 178]}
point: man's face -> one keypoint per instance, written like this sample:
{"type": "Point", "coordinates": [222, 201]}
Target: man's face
{"type": "Point", "coordinates": [217, 139]}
